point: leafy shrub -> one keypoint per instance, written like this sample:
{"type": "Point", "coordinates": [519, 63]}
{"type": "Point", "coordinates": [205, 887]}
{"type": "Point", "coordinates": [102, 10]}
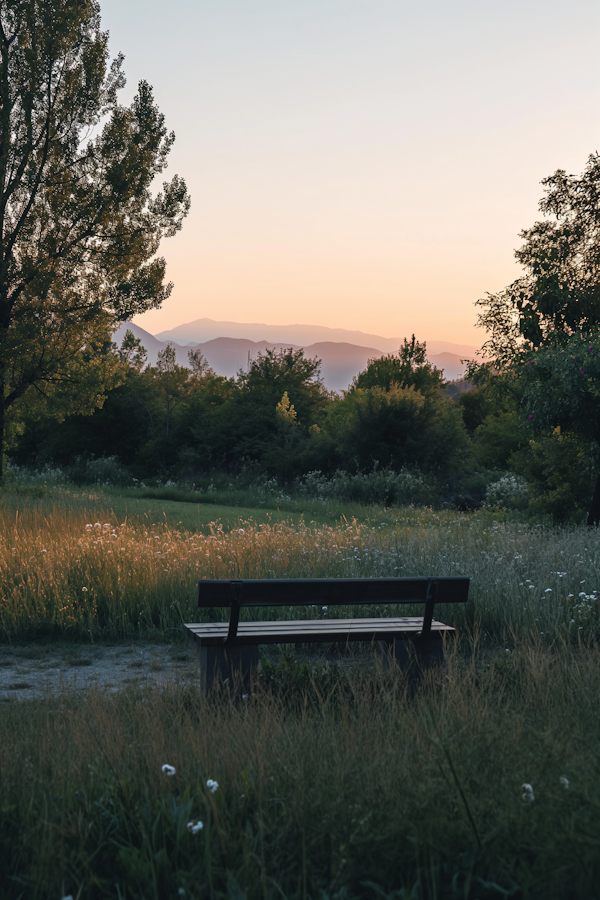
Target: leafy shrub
{"type": "Point", "coordinates": [106, 471]}
{"type": "Point", "coordinates": [21, 477]}
{"type": "Point", "coordinates": [509, 492]}
{"type": "Point", "coordinates": [559, 469]}
{"type": "Point", "coordinates": [383, 487]}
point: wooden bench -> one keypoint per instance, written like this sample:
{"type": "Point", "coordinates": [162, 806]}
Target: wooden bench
{"type": "Point", "coordinates": [225, 648]}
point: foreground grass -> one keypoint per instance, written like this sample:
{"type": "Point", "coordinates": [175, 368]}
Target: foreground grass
{"type": "Point", "coordinates": [70, 566]}
{"type": "Point", "coordinates": [331, 785]}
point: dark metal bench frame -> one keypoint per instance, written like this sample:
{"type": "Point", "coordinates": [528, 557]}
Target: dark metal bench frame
{"type": "Point", "coordinates": [224, 648]}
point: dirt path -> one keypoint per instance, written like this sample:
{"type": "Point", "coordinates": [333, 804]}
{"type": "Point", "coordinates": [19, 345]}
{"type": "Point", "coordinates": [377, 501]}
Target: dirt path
{"type": "Point", "coordinates": [32, 670]}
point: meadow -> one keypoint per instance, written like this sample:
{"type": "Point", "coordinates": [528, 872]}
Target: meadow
{"type": "Point", "coordinates": [93, 565]}
{"type": "Point", "coordinates": [334, 780]}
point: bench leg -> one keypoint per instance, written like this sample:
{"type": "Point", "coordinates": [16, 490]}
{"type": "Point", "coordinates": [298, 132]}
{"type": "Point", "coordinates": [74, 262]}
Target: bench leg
{"type": "Point", "coordinates": [236, 664]}
{"type": "Point", "coordinates": [414, 655]}
{"type": "Point", "coordinates": [429, 651]}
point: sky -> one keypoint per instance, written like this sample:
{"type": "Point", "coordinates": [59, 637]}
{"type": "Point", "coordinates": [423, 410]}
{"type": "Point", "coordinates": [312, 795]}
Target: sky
{"type": "Point", "coordinates": [365, 164]}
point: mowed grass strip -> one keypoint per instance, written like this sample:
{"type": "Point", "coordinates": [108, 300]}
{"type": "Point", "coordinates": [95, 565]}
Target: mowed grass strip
{"type": "Point", "coordinates": [76, 568]}
{"type": "Point", "coordinates": [138, 508]}
{"type": "Point", "coordinates": [330, 785]}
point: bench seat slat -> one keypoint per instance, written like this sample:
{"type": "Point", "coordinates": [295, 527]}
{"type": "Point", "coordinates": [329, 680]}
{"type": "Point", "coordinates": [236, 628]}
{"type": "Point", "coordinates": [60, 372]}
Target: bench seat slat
{"type": "Point", "coordinates": [318, 624]}
{"type": "Point", "coordinates": [281, 632]}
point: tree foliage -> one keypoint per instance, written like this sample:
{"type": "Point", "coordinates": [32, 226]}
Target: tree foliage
{"type": "Point", "coordinates": [277, 417]}
{"type": "Point", "coordinates": [559, 292]}
{"type": "Point", "coordinates": [408, 368]}
{"type": "Point", "coordinates": [79, 225]}
{"type": "Point", "coordinates": [398, 428]}
{"type": "Point", "coordinates": [545, 326]}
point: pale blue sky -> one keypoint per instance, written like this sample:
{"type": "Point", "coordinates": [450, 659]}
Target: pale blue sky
{"type": "Point", "coordinates": [359, 164]}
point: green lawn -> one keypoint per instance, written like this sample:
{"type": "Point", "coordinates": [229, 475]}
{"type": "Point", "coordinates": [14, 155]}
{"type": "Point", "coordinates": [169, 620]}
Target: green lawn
{"type": "Point", "coordinates": [250, 501]}
{"type": "Point", "coordinates": [182, 509]}
{"type": "Point", "coordinates": [100, 504]}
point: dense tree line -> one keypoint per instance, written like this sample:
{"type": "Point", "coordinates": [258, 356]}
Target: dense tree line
{"type": "Point", "coordinates": [278, 419]}
{"type": "Point", "coordinates": [278, 416]}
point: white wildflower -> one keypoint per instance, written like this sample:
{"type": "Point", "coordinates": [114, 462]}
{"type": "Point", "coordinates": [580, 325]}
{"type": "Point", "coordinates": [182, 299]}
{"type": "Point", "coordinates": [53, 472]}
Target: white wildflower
{"type": "Point", "coordinates": [167, 770]}
{"type": "Point", "coordinates": [527, 793]}
{"type": "Point", "coordinates": [212, 785]}
{"type": "Point", "coordinates": [565, 782]}
{"type": "Point", "coordinates": [84, 589]}
{"type": "Point", "coordinates": [195, 827]}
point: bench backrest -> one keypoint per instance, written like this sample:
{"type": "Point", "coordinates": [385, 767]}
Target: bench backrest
{"type": "Point", "coordinates": [330, 591]}
{"type": "Point", "coordinates": [237, 593]}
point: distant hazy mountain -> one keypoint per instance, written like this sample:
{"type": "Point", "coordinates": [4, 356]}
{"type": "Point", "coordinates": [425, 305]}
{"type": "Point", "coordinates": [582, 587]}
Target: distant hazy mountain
{"type": "Point", "coordinates": [202, 330]}
{"type": "Point", "coordinates": [340, 360]}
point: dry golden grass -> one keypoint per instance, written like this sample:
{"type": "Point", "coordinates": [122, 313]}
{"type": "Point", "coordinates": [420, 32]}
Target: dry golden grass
{"type": "Point", "coordinates": [60, 573]}
{"type": "Point", "coordinates": [66, 573]}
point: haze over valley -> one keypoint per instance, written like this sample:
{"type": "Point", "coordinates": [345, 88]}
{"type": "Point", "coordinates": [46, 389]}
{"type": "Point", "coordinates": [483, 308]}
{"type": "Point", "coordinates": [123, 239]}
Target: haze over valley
{"type": "Point", "coordinates": [228, 347]}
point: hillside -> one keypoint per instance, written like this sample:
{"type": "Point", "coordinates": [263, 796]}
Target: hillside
{"type": "Point", "coordinates": [205, 329]}
{"type": "Point", "coordinates": [341, 360]}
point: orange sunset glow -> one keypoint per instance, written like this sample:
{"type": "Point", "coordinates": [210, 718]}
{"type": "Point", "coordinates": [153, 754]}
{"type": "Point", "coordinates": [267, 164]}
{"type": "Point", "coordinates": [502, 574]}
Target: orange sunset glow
{"type": "Point", "coordinates": [359, 165]}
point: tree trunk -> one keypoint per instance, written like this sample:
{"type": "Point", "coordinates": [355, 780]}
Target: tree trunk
{"type": "Point", "coordinates": [2, 424]}
{"type": "Point", "coordinates": [594, 513]}
{"type": "Point", "coordinates": [3, 333]}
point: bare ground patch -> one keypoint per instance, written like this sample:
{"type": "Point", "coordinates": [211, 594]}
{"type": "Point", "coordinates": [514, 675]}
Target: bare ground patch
{"type": "Point", "coordinates": [32, 670]}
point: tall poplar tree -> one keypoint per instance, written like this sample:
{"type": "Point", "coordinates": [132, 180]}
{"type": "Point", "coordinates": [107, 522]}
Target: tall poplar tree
{"type": "Point", "coordinates": [79, 224]}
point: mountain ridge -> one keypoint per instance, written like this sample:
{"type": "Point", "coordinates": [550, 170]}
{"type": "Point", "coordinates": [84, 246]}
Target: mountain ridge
{"type": "Point", "coordinates": [205, 329]}
{"type": "Point", "coordinates": [340, 360]}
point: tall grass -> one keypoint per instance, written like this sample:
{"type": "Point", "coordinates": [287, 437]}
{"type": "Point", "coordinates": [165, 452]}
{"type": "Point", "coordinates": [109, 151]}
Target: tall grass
{"type": "Point", "coordinates": [65, 572]}
{"type": "Point", "coordinates": [334, 784]}
{"type": "Point", "coordinates": [344, 785]}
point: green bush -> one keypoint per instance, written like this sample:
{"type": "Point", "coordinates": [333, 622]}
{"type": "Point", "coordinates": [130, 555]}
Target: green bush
{"type": "Point", "coordinates": [382, 487]}
{"type": "Point", "coordinates": [558, 469]}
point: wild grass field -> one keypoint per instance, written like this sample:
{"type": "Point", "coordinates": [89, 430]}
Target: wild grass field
{"type": "Point", "coordinates": [333, 781]}
{"type": "Point", "coordinates": [92, 565]}
{"type": "Point", "coordinates": [333, 786]}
